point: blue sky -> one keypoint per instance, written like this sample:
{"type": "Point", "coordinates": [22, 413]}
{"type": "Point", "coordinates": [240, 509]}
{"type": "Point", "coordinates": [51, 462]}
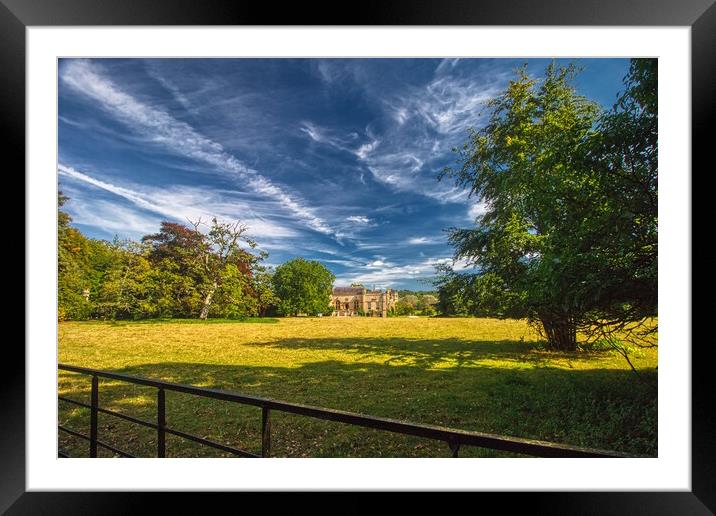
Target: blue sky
{"type": "Point", "coordinates": [328, 159]}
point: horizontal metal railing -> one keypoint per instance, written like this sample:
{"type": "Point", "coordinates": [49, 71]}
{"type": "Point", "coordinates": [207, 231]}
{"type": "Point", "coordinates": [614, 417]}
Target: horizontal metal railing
{"type": "Point", "coordinates": [453, 437]}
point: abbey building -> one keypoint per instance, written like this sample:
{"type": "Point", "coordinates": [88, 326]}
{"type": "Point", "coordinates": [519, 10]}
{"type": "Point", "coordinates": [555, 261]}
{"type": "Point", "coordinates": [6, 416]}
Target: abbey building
{"type": "Point", "coordinates": [350, 301]}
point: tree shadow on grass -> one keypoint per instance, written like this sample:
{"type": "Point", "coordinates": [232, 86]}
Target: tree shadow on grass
{"type": "Point", "coordinates": [600, 408]}
{"type": "Point", "coordinates": [427, 353]}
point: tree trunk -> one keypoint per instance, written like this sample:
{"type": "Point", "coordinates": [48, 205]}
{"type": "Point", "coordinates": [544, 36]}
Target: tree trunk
{"type": "Point", "coordinates": [561, 333]}
{"type": "Point", "coordinates": [207, 302]}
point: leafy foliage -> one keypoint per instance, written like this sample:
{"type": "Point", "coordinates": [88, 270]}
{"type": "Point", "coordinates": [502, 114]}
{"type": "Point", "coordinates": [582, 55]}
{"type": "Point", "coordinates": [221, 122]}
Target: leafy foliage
{"type": "Point", "coordinates": [477, 295]}
{"type": "Point", "coordinates": [215, 262]}
{"type": "Point", "coordinates": [623, 276]}
{"type": "Point", "coordinates": [303, 287]}
{"type": "Point", "coordinates": [79, 265]}
{"type": "Point", "coordinates": [178, 272]}
{"type": "Point", "coordinates": [568, 237]}
{"type": "Point", "coordinates": [403, 307]}
{"type": "Point", "coordinates": [415, 302]}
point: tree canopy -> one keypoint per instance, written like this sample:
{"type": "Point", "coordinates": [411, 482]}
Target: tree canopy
{"type": "Point", "coordinates": [181, 271]}
{"type": "Point", "coordinates": [303, 287]}
{"type": "Point", "coordinates": [215, 260]}
{"type": "Point", "coordinates": [568, 236]}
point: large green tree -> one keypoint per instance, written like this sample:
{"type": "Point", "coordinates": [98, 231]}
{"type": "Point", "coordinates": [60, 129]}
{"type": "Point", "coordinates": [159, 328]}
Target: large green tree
{"type": "Point", "coordinates": [303, 287]}
{"type": "Point", "coordinates": [565, 206]}
{"type": "Point", "coordinates": [623, 275]}
{"type": "Point", "coordinates": [215, 261]}
{"type": "Point", "coordinates": [180, 271]}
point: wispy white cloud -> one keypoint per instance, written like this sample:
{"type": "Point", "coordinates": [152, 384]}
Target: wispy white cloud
{"type": "Point", "coordinates": [366, 149]}
{"type": "Point", "coordinates": [404, 171]}
{"type": "Point", "coordinates": [371, 246]}
{"type": "Point", "coordinates": [477, 209]}
{"type": "Point", "coordinates": [113, 218]}
{"type": "Point", "coordinates": [407, 157]}
{"type": "Point", "coordinates": [351, 227]}
{"type": "Point", "coordinates": [312, 131]}
{"type": "Point", "coordinates": [411, 155]}
{"type": "Point", "coordinates": [328, 70]}
{"type": "Point", "coordinates": [126, 193]}
{"type": "Point", "coordinates": [447, 65]}
{"type": "Point", "coordinates": [154, 73]}
{"type": "Point", "coordinates": [345, 143]}
{"type": "Point", "coordinates": [425, 240]}
{"type": "Point", "coordinates": [400, 115]}
{"type": "Point", "coordinates": [178, 204]}
{"type": "Point", "coordinates": [358, 219]}
{"type": "Point", "coordinates": [345, 263]}
{"type": "Point", "coordinates": [160, 128]}
{"type": "Point", "coordinates": [451, 105]}
{"type": "Point", "coordinates": [389, 274]}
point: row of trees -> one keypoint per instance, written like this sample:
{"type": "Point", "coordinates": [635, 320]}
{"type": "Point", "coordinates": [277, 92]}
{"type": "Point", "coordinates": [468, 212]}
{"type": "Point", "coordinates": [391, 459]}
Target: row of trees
{"type": "Point", "coordinates": [199, 270]}
{"type": "Point", "coordinates": [569, 236]}
{"type": "Point", "coordinates": [181, 271]}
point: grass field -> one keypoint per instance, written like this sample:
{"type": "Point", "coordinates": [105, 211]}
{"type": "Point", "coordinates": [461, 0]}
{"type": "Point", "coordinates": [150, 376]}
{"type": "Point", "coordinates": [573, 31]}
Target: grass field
{"type": "Point", "coordinates": [483, 375]}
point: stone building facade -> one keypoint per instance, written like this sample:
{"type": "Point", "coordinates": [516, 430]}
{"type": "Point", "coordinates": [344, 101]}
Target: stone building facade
{"type": "Point", "coordinates": [349, 301]}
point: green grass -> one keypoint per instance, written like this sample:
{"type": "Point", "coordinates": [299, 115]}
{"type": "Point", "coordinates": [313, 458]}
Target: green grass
{"type": "Point", "coordinates": [483, 375]}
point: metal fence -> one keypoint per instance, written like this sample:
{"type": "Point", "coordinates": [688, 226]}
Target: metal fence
{"type": "Point", "coordinates": [454, 438]}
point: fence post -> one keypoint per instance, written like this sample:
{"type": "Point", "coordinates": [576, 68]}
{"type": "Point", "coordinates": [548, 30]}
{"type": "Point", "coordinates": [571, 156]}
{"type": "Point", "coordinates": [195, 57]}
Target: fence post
{"type": "Point", "coordinates": [161, 424]}
{"type": "Point", "coordinates": [455, 447]}
{"type": "Point", "coordinates": [265, 432]}
{"type": "Point", "coordinates": [94, 404]}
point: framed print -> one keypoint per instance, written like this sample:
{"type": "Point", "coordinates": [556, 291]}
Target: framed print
{"type": "Point", "coordinates": [205, 158]}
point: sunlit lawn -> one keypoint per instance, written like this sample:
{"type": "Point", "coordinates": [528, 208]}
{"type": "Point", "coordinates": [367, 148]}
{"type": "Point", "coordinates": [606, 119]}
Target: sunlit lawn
{"type": "Point", "coordinates": [484, 375]}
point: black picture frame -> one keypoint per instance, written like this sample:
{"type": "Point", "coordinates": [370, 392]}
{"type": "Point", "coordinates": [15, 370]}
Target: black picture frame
{"type": "Point", "coordinates": [700, 15]}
